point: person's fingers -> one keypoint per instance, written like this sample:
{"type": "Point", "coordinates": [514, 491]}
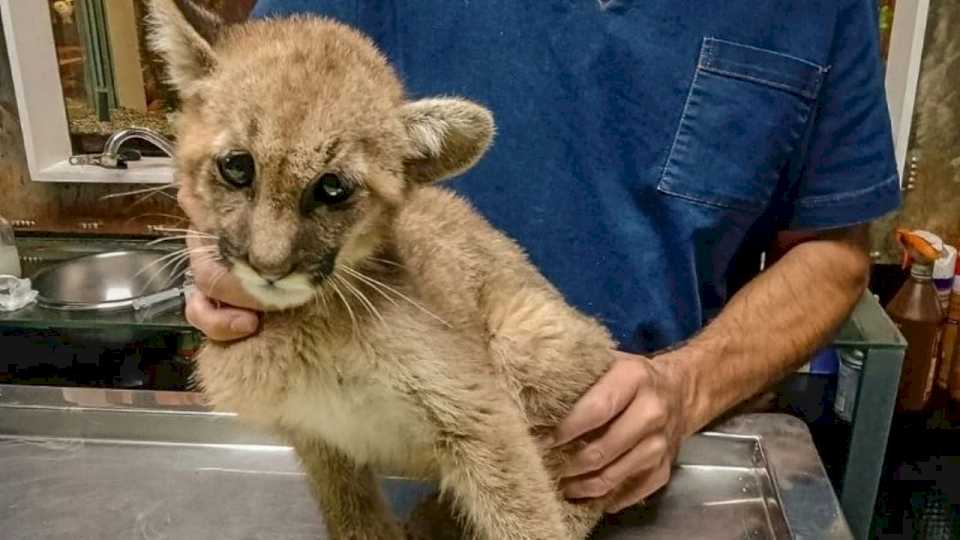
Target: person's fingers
{"type": "Point", "coordinates": [641, 488]}
{"type": "Point", "coordinates": [215, 280]}
{"type": "Point", "coordinates": [643, 457]}
{"type": "Point", "coordinates": [603, 402]}
{"type": "Point", "coordinates": [644, 416]}
{"type": "Point", "coordinates": [209, 274]}
{"type": "Point", "coordinates": [220, 323]}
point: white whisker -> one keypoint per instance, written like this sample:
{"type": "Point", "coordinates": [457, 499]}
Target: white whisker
{"type": "Point", "coordinates": [187, 231]}
{"type": "Point", "coordinates": [175, 261]}
{"type": "Point", "coordinates": [151, 190]}
{"type": "Point", "coordinates": [175, 258]}
{"type": "Point", "coordinates": [346, 304]}
{"type": "Point", "coordinates": [216, 279]}
{"type": "Point", "coordinates": [362, 298]}
{"type": "Point", "coordinates": [385, 261]}
{"type": "Point", "coordinates": [179, 219]}
{"type": "Point", "coordinates": [146, 197]}
{"type": "Point", "coordinates": [202, 259]}
{"type": "Point", "coordinates": [374, 284]}
{"type": "Point", "coordinates": [174, 254]}
{"type": "Point", "coordinates": [321, 295]}
{"type": "Point", "coordinates": [178, 270]}
{"type": "Point", "coordinates": [180, 237]}
{"type": "Point", "coordinates": [323, 298]}
{"type": "Point", "coordinates": [402, 296]}
{"type": "Point", "coordinates": [159, 260]}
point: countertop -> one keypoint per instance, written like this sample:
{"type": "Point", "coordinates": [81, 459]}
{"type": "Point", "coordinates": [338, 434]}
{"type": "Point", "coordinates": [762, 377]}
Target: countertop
{"type": "Point", "coordinates": [84, 463]}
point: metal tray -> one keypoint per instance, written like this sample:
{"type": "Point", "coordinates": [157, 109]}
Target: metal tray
{"type": "Point", "coordinates": [86, 463]}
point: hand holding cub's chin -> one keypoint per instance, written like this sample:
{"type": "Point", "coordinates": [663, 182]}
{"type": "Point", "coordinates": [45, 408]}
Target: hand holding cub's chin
{"type": "Point", "coordinates": [219, 306]}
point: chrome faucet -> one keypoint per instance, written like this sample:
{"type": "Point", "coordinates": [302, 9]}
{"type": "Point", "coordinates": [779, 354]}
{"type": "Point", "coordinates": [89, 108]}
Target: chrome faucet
{"type": "Point", "coordinates": [112, 156]}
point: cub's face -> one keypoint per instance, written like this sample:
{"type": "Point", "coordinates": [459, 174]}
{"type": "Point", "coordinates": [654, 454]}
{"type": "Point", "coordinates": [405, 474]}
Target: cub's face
{"type": "Point", "coordinates": [297, 144]}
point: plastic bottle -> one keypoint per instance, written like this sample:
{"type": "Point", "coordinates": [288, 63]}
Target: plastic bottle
{"type": "Point", "coordinates": [9, 256]}
{"type": "Point", "coordinates": [943, 271]}
{"type": "Point", "coordinates": [951, 329]}
{"type": "Point", "coordinates": [849, 373]}
{"type": "Point", "coordinates": [916, 311]}
{"type": "Point", "coordinates": [951, 341]}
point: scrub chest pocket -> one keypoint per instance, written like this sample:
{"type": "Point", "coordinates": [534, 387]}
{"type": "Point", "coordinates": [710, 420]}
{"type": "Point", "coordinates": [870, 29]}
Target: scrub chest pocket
{"type": "Point", "coordinates": [747, 110]}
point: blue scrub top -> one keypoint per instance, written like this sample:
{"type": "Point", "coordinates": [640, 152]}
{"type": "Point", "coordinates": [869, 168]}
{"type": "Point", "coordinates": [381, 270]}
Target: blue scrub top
{"type": "Point", "coordinates": [648, 151]}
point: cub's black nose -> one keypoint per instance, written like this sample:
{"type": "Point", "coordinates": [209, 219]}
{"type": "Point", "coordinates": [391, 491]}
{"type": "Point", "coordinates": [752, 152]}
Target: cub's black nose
{"type": "Point", "coordinates": [271, 273]}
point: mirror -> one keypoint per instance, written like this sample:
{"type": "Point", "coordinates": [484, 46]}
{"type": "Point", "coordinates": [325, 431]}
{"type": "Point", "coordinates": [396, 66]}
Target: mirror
{"type": "Point", "coordinates": [111, 80]}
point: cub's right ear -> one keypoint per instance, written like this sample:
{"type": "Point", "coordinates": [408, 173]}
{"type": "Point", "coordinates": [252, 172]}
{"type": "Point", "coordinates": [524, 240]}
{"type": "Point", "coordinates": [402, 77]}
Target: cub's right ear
{"type": "Point", "coordinates": [184, 34]}
{"type": "Point", "coordinates": [447, 136]}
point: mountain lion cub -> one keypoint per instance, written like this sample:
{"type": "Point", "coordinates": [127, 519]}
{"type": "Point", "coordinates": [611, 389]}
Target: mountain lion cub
{"type": "Point", "coordinates": [409, 337]}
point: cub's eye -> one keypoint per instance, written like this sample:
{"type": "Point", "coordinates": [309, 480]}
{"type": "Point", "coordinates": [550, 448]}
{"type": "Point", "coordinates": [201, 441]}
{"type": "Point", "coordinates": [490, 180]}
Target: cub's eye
{"type": "Point", "coordinates": [328, 190]}
{"type": "Point", "coordinates": [237, 168]}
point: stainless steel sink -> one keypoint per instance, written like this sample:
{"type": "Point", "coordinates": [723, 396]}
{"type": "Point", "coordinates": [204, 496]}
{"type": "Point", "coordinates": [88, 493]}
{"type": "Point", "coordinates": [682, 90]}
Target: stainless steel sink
{"type": "Point", "coordinates": [116, 280]}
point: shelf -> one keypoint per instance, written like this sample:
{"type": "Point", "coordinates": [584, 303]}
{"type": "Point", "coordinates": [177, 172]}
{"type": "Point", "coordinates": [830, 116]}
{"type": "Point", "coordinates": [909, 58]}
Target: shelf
{"type": "Point", "coordinates": [166, 316]}
{"type": "Point", "coordinates": [869, 327]}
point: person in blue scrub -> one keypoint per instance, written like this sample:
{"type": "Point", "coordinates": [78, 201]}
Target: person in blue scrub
{"type": "Point", "coordinates": [647, 154]}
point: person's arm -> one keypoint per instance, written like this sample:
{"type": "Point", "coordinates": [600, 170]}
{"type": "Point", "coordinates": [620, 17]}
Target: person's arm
{"type": "Point", "coordinates": [773, 325]}
{"type": "Point", "coordinates": [643, 408]}
{"type": "Point", "coordinates": [636, 416]}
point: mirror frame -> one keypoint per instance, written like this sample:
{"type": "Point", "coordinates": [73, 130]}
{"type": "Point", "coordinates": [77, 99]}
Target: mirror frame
{"type": "Point", "coordinates": [32, 53]}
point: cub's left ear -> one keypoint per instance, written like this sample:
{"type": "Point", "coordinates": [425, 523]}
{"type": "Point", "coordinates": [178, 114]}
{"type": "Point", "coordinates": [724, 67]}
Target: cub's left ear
{"type": "Point", "coordinates": [447, 136]}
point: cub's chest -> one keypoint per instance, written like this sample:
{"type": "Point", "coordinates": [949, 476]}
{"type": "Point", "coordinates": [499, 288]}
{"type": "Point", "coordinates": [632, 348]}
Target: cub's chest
{"type": "Point", "coordinates": [366, 419]}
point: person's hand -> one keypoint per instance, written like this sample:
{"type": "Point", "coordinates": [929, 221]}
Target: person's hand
{"type": "Point", "coordinates": [633, 422]}
{"type": "Point", "coordinates": [219, 306]}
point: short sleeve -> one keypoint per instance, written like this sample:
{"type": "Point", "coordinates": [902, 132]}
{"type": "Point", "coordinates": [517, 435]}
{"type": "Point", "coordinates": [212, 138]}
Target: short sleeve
{"type": "Point", "coordinates": [848, 173]}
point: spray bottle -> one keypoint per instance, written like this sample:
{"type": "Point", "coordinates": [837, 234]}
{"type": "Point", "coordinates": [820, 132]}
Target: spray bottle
{"type": "Point", "coordinates": [917, 313]}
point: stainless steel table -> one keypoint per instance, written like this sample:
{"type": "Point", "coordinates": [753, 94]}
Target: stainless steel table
{"type": "Point", "coordinates": [84, 464]}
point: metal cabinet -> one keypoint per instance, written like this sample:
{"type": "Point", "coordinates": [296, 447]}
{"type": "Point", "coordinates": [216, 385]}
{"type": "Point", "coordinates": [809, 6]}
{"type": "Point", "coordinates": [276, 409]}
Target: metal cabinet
{"type": "Point", "coordinates": [871, 331]}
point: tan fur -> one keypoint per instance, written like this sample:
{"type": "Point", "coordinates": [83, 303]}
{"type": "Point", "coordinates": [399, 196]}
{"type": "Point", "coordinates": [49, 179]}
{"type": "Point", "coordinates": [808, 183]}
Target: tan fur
{"type": "Point", "coordinates": [435, 349]}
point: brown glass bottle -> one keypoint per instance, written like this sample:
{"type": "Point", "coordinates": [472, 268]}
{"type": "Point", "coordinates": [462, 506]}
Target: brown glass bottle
{"type": "Point", "coordinates": [916, 311]}
{"type": "Point", "coordinates": [948, 346]}
{"type": "Point", "coordinates": [953, 326]}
